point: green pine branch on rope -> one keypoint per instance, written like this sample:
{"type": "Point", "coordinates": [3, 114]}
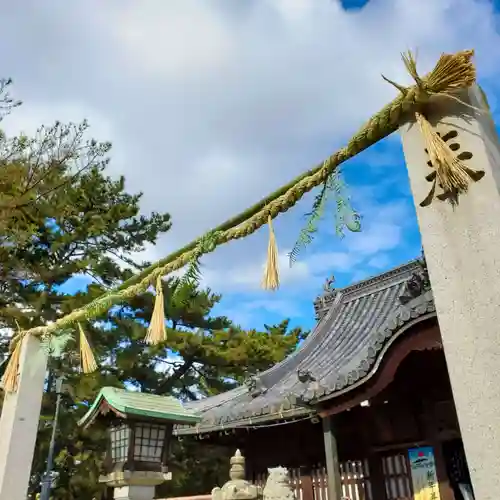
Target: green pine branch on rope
{"type": "Point", "coordinates": [345, 216]}
{"type": "Point", "coordinates": [192, 276]}
{"type": "Point", "coordinates": [188, 282]}
{"type": "Point", "coordinates": [54, 345]}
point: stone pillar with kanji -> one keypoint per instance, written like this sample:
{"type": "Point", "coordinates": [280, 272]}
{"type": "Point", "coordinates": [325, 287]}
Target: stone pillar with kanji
{"type": "Point", "coordinates": [461, 240]}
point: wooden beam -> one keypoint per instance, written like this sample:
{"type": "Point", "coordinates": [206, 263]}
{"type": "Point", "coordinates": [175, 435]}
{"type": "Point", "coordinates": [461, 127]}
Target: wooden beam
{"type": "Point", "coordinates": [332, 460]}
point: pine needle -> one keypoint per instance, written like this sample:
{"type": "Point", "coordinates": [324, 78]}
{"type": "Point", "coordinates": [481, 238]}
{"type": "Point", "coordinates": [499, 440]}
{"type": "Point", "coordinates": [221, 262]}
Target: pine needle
{"type": "Point", "coordinates": [345, 217]}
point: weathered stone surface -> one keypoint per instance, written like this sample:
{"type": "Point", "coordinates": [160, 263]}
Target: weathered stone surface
{"type": "Point", "coordinates": [278, 485]}
{"type": "Point", "coordinates": [19, 422]}
{"type": "Point", "coordinates": [237, 488]}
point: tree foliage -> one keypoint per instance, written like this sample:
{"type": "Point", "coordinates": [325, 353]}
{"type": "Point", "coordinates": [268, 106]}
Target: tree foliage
{"type": "Point", "coordinates": [64, 222]}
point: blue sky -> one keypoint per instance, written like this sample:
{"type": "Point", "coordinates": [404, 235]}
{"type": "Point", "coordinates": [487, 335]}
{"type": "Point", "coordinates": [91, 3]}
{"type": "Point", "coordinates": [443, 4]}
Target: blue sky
{"type": "Point", "coordinates": [212, 105]}
{"type": "Point", "coordinates": [353, 4]}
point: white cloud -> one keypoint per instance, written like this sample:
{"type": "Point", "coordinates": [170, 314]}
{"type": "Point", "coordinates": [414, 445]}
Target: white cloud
{"type": "Point", "coordinates": [182, 41]}
{"type": "Point", "coordinates": [213, 104]}
{"type": "Point", "coordinates": [28, 118]}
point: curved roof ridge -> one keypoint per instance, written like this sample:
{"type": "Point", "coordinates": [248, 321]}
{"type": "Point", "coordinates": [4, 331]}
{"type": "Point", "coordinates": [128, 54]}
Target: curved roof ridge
{"type": "Point", "coordinates": [372, 283]}
{"type": "Point", "coordinates": [396, 274]}
{"type": "Point", "coordinates": [293, 361]}
{"type": "Point", "coordinates": [278, 370]}
{"type": "Point", "coordinates": [401, 317]}
{"type": "Point", "coordinates": [323, 302]}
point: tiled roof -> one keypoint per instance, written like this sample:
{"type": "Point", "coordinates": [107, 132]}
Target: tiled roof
{"type": "Point", "coordinates": [139, 404]}
{"type": "Point", "coordinates": [340, 353]}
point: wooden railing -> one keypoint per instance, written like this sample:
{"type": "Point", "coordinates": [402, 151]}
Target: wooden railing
{"type": "Point", "coordinates": [313, 485]}
{"type": "Point", "coordinates": [355, 477]}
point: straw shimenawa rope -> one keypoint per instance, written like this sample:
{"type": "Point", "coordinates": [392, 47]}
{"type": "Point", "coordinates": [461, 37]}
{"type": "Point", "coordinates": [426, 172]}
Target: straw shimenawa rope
{"type": "Point", "coordinates": [451, 73]}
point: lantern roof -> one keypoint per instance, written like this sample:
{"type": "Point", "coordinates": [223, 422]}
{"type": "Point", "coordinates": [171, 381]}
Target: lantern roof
{"type": "Point", "coordinates": [135, 405]}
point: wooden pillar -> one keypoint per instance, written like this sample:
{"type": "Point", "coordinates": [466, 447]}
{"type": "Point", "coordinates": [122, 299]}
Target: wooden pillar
{"type": "Point", "coordinates": [19, 422]}
{"type": "Point", "coordinates": [332, 460]}
{"type": "Point", "coordinates": [442, 475]}
{"type": "Point", "coordinates": [462, 249]}
{"type": "Point", "coordinates": [306, 483]}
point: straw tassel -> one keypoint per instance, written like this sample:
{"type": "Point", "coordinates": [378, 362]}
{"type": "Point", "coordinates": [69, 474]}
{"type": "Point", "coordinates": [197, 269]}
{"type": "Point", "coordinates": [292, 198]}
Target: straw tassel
{"type": "Point", "coordinates": [450, 173]}
{"type": "Point", "coordinates": [157, 332]}
{"type": "Point", "coordinates": [271, 279]}
{"type": "Point", "coordinates": [87, 358]}
{"type": "Point", "coordinates": [10, 377]}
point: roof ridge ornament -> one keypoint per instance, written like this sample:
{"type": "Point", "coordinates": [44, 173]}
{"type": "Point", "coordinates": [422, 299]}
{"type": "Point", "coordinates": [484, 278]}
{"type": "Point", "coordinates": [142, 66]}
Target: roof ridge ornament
{"type": "Point", "coordinates": [418, 283]}
{"type": "Point", "coordinates": [325, 298]}
{"type": "Point", "coordinates": [255, 386]}
{"type": "Point", "coordinates": [305, 376]}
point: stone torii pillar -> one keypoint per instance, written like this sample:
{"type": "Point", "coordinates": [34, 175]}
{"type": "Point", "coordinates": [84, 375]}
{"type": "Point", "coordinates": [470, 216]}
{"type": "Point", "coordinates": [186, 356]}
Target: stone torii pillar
{"type": "Point", "coordinates": [462, 249]}
{"type": "Point", "coordinates": [19, 421]}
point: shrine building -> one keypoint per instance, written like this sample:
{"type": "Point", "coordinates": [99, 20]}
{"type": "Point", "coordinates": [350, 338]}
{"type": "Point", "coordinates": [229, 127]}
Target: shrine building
{"type": "Point", "coordinates": [363, 409]}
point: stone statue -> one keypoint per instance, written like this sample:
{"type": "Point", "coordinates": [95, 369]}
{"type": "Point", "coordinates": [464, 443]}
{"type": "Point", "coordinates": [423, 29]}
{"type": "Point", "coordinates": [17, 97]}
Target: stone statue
{"type": "Point", "coordinates": [237, 488]}
{"type": "Point", "coordinates": [278, 485]}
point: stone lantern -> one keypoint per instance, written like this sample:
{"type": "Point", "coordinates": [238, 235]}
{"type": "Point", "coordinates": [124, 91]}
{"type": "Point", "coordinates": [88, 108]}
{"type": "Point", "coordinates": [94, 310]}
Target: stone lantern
{"type": "Point", "coordinates": [140, 429]}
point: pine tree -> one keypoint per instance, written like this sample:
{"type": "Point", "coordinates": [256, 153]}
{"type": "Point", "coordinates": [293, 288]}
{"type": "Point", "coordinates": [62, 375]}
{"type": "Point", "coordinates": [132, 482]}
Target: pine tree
{"type": "Point", "coordinates": [203, 355]}
{"type": "Point", "coordinates": [63, 217]}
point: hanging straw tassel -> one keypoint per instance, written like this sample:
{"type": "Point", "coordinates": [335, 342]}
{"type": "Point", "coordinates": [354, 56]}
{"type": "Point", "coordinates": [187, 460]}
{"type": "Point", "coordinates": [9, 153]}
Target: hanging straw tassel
{"type": "Point", "coordinates": [157, 332]}
{"type": "Point", "coordinates": [271, 279]}
{"type": "Point", "coordinates": [451, 174]}
{"type": "Point", "coordinates": [87, 358]}
{"type": "Point", "coordinates": [10, 377]}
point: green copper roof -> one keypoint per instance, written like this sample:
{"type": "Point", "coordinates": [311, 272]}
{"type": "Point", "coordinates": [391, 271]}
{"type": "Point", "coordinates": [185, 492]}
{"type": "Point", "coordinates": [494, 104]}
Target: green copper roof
{"type": "Point", "coordinates": [129, 404]}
